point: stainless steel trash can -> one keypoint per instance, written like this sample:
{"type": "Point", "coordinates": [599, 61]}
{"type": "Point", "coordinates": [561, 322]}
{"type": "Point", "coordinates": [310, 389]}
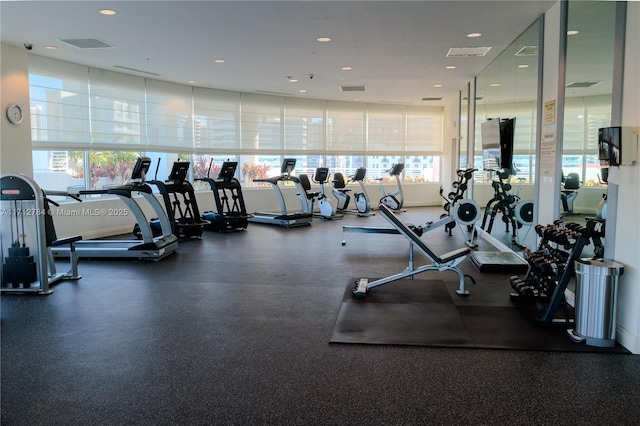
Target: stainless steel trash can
{"type": "Point", "coordinates": [596, 302]}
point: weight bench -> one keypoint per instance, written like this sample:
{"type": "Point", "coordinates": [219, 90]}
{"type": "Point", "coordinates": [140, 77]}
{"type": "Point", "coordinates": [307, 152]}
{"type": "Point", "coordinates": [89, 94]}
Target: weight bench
{"type": "Point", "coordinates": [444, 262]}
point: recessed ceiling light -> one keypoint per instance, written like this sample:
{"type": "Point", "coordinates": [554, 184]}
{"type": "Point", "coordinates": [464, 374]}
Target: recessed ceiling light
{"type": "Point", "coordinates": [218, 61]}
{"type": "Point", "coordinates": [323, 39]}
{"type": "Point", "coordinates": [437, 85]}
{"type": "Point", "coordinates": [293, 80]}
{"type": "Point", "coordinates": [495, 85]}
{"type": "Point", "coordinates": [474, 35]}
{"type": "Point", "coordinates": [51, 47]}
{"type": "Point", "coordinates": [573, 32]}
{"type": "Point", "coordinates": [191, 82]}
{"type": "Point", "coordinates": [108, 12]}
{"type": "Point", "coordinates": [346, 68]}
{"type": "Point", "coordinates": [450, 67]}
{"type": "Point", "coordinates": [523, 66]}
{"type": "Point", "coordinates": [302, 91]}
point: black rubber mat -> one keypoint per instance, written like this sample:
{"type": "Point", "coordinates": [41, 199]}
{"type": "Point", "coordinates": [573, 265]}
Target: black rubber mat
{"type": "Point", "coordinates": [423, 313]}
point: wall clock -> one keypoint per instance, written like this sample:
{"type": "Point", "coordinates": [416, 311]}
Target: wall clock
{"type": "Point", "coordinates": [15, 114]}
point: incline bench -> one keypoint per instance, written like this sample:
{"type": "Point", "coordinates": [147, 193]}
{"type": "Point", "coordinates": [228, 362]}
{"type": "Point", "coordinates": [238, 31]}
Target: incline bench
{"type": "Point", "coordinates": [445, 262]}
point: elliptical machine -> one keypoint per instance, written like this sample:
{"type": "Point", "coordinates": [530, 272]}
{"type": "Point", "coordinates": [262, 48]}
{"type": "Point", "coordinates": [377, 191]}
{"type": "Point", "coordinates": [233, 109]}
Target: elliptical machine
{"type": "Point", "coordinates": [389, 199]}
{"type": "Point", "coordinates": [361, 199]}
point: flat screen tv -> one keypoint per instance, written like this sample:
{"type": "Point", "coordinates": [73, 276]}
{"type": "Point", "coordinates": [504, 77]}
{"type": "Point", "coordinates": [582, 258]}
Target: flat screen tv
{"type": "Point", "coordinates": [507, 130]}
{"type": "Point", "coordinates": [497, 142]}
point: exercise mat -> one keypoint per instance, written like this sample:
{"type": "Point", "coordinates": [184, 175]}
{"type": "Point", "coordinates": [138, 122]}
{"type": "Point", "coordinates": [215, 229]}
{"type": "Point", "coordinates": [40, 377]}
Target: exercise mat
{"type": "Point", "coordinates": [423, 313]}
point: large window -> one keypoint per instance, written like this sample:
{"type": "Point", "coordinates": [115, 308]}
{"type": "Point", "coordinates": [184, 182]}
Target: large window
{"type": "Point", "coordinates": [89, 124]}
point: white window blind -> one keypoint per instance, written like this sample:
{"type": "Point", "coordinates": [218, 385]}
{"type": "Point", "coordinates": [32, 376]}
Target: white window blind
{"type": "Point", "coordinates": [385, 128]}
{"type": "Point", "coordinates": [216, 119]}
{"type": "Point", "coordinates": [169, 120]}
{"type": "Point", "coordinates": [261, 119]}
{"type": "Point", "coordinates": [59, 102]}
{"type": "Point", "coordinates": [583, 116]}
{"type": "Point", "coordinates": [345, 126]}
{"type": "Point", "coordinates": [117, 108]}
{"type": "Point", "coordinates": [99, 109]}
{"type": "Point", "coordinates": [424, 129]}
{"type": "Point", "coordinates": [525, 127]}
{"type": "Point", "coordinates": [304, 124]}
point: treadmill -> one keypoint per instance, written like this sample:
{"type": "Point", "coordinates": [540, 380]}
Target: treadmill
{"type": "Point", "coordinates": [228, 215]}
{"type": "Point", "coordinates": [285, 218]}
{"type": "Point", "coordinates": [151, 248]}
{"type": "Point", "coordinates": [182, 211]}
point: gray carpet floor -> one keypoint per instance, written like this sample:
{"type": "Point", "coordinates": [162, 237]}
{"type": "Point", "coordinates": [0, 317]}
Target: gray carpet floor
{"type": "Point", "coordinates": [235, 329]}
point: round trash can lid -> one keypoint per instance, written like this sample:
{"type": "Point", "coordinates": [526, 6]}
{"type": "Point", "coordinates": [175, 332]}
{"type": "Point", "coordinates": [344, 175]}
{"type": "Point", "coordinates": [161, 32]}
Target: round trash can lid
{"type": "Point", "coordinates": [598, 267]}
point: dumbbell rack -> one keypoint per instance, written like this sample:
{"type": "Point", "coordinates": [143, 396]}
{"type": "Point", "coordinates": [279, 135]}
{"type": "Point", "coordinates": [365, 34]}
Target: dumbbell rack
{"type": "Point", "coordinates": [551, 269]}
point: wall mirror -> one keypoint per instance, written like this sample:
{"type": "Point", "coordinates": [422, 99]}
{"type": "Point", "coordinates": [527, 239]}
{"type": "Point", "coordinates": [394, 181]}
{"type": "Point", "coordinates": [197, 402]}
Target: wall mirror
{"type": "Point", "coordinates": [588, 93]}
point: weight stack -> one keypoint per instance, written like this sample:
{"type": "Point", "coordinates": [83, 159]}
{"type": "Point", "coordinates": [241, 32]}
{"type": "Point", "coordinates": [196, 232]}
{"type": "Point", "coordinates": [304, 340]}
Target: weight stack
{"type": "Point", "coordinates": [19, 268]}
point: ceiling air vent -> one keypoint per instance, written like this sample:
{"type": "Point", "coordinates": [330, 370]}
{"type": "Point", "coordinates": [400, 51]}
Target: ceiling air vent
{"type": "Point", "coordinates": [528, 51]}
{"type": "Point", "coordinates": [266, 92]}
{"type": "Point", "coordinates": [87, 43]}
{"type": "Point", "coordinates": [582, 84]}
{"type": "Point", "coordinates": [122, 67]}
{"type": "Point", "coordinates": [432, 99]}
{"type": "Point", "coordinates": [353, 88]}
{"type": "Point", "coordinates": [464, 52]}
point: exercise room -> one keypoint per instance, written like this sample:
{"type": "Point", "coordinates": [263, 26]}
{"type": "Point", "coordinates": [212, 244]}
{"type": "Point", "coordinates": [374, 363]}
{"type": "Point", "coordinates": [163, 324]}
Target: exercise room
{"type": "Point", "coordinates": [319, 212]}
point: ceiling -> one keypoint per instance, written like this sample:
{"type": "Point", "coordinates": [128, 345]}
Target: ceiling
{"type": "Point", "coordinates": [396, 49]}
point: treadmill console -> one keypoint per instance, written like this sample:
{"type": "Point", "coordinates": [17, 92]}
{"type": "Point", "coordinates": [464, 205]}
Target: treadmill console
{"type": "Point", "coordinates": [179, 172]}
{"type": "Point", "coordinates": [227, 171]}
{"type": "Point", "coordinates": [140, 169]}
{"type": "Point", "coordinates": [288, 165]}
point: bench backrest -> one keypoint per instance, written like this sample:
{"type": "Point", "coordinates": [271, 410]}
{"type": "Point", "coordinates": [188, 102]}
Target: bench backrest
{"type": "Point", "coordinates": [419, 242]}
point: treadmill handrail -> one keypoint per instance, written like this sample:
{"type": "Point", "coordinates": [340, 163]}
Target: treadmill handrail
{"type": "Point", "coordinates": [275, 179]}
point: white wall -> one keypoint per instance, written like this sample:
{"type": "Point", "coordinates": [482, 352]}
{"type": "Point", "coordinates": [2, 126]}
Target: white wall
{"type": "Point", "coordinates": [628, 225]}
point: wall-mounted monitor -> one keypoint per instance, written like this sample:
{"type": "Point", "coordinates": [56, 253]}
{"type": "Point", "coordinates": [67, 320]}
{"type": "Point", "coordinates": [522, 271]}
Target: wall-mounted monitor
{"type": "Point", "coordinates": [497, 143]}
{"type": "Point", "coordinates": [507, 133]}
{"type": "Point", "coordinates": [617, 145]}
